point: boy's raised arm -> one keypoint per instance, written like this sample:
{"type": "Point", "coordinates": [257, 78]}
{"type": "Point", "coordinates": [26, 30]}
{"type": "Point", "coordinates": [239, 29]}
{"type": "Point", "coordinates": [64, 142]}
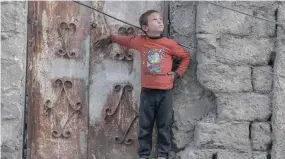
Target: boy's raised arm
{"type": "Point", "coordinates": [127, 41]}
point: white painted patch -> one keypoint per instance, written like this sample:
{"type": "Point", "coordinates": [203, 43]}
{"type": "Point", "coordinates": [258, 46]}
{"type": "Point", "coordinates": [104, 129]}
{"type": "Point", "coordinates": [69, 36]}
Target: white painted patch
{"type": "Point", "coordinates": [104, 76]}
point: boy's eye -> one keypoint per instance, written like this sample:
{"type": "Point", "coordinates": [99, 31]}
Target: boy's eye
{"type": "Point", "coordinates": [157, 19]}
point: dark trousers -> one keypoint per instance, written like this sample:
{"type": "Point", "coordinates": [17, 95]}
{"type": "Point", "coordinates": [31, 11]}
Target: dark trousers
{"type": "Point", "coordinates": [155, 105]}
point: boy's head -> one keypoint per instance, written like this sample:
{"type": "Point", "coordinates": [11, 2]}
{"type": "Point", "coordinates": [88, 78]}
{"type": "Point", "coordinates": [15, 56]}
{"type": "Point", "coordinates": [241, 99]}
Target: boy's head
{"type": "Point", "coordinates": [151, 22]}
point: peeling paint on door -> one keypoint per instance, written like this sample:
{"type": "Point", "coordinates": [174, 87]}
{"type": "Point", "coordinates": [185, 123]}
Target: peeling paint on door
{"type": "Point", "coordinates": [57, 78]}
{"type": "Point", "coordinates": [79, 96]}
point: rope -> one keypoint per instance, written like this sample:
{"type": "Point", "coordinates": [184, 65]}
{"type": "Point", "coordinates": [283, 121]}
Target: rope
{"type": "Point", "coordinates": [277, 74]}
{"type": "Point", "coordinates": [106, 14]}
{"type": "Point", "coordinates": [260, 18]}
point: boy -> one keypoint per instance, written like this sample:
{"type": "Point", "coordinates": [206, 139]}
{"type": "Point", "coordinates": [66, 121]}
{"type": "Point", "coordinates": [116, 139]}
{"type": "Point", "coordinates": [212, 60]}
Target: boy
{"type": "Point", "coordinates": [156, 80]}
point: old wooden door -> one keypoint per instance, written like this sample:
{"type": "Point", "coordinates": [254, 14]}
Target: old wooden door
{"type": "Point", "coordinates": [58, 69]}
{"type": "Point", "coordinates": [83, 101]}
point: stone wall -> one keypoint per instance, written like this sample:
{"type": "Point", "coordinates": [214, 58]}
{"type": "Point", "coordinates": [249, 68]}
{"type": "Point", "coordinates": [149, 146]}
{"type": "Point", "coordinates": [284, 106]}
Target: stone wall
{"type": "Point", "coordinates": [191, 101]}
{"type": "Point", "coordinates": [229, 88]}
{"type": "Point", "coordinates": [13, 73]}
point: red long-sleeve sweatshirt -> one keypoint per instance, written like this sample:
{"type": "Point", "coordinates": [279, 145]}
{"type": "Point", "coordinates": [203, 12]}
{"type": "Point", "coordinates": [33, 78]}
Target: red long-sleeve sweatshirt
{"type": "Point", "coordinates": [156, 59]}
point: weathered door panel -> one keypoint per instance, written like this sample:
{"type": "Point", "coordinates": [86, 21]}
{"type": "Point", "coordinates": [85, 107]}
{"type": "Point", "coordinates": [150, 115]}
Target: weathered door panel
{"type": "Point", "coordinates": [58, 62]}
{"type": "Point", "coordinates": [114, 83]}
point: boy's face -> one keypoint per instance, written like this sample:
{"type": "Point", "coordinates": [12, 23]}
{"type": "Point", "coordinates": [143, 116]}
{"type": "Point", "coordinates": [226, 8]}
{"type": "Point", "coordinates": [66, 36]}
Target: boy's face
{"type": "Point", "coordinates": [154, 24]}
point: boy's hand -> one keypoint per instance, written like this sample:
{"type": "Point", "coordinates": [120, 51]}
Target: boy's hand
{"type": "Point", "coordinates": [103, 42]}
{"type": "Point", "coordinates": [173, 75]}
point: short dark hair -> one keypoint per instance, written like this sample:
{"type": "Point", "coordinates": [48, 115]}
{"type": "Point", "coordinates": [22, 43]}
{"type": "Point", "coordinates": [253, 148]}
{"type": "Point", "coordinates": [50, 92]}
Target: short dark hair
{"type": "Point", "coordinates": [144, 16]}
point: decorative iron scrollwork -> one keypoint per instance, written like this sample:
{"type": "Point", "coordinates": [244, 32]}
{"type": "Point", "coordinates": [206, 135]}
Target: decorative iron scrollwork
{"type": "Point", "coordinates": [63, 86]}
{"type": "Point", "coordinates": [66, 34]}
{"type": "Point", "coordinates": [120, 88]}
{"type": "Point", "coordinates": [119, 52]}
{"type": "Point", "coordinates": [130, 54]}
{"type": "Point", "coordinates": [130, 31]}
{"type": "Point", "coordinates": [122, 30]}
{"type": "Point", "coordinates": [126, 31]}
{"type": "Point", "coordinates": [123, 140]}
{"type": "Point", "coordinates": [94, 25]}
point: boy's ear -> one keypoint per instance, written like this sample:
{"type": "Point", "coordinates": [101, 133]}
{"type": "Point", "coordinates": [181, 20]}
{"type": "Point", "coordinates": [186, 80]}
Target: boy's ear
{"type": "Point", "coordinates": [144, 28]}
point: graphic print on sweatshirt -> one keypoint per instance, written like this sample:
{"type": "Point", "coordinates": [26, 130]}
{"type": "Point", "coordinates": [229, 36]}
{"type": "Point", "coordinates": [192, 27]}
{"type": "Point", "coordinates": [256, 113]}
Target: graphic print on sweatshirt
{"type": "Point", "coordinates": [152, 61]}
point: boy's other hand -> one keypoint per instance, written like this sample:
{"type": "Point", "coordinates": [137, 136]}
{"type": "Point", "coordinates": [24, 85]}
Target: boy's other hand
{"type": "Point", "coordinates": [103, 42]}
{"type": "Point", "coordinates": [173, 75]}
